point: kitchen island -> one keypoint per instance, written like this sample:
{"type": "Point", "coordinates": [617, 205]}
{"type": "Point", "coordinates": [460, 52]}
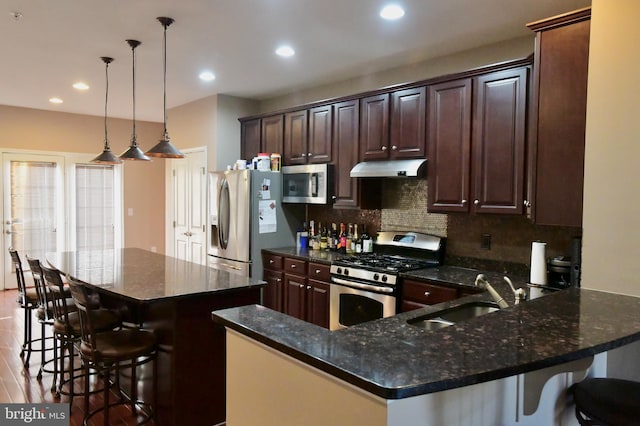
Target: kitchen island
{"type": "Point", "coordinates": [388, 372]}
{"type": "Point", "coordinates": [174, 298]}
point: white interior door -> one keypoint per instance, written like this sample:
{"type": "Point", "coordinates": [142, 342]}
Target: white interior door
{"type": "Point", "coordinates": [33, 207]}
{"type": "Point", "coordinates": [189, 195]}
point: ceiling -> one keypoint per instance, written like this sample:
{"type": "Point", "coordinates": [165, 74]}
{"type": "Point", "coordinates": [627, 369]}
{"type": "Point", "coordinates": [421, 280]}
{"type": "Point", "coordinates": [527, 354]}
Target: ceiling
{"type": "Point", "coordinates": [56, 43]}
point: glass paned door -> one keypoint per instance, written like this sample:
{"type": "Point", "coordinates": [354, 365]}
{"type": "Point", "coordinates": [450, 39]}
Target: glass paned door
{"type": "Point", "coordinates": [33, 207]}
{"type": "Point", "coordinates": [95, 210]}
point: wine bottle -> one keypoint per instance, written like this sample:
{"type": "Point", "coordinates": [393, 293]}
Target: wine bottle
{"type": "Point", "coordinates": [367, 242]}
{"type": "Point", "coordinates": [342, 244]}
{"type": "Point", "coordinates": [357, 240]}
{"type": "Point", "coordinates": [324, 244]}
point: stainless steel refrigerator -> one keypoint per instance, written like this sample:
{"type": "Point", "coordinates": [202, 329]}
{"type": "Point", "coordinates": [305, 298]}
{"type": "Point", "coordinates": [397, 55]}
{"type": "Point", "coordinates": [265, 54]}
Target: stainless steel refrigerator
{"type": "Point", "coordinates": [246, 215]}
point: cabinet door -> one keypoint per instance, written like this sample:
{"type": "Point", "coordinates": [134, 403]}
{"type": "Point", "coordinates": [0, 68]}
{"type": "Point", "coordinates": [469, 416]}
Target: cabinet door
{"type": "Point", "coordinates": [295, 138]}
{"type": "Point", "coordinates": [408, 138]}
{"type": "Point", "coordinates": [562, 60]}
{"type": "Point", "coordinates": [374, 127]}
{"type": "Point", "coordinates": [449, 145]}
{"type": "Point", "coordinates": [345, 141]}
{"type": "Point", "coordinates": [318, 303]}
{"type": "Point", "coordinates": [418, 294]}
{"type": "Point", "coordinates": [499, 141]}
{"type": "Point", "coordinates": [320, 126]}
{"type": "Point", "coordinates": [294, 295]}
{"type": "Point", "coordinates": [250, 138]}
{"type": "Point", "coordinates": [272, 134]}
{"type": "Point", "coordinates": [273, 292]}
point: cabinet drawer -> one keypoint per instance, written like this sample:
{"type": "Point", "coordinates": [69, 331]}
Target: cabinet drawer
{"type": "Point", "coordinates": [272, 261]}
{"type": "Point", "coordinates": [295, 266]}
{"type": "Point", "coordinates": [319, 271]}
{"type": "Point", "coordinates": [427, 294]}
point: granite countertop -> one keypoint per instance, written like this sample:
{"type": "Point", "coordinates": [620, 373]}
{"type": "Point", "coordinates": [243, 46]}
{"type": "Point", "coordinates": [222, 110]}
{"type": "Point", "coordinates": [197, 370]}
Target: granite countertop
{"type": "Point", "coordinates": [320, 256]}
{"type": "Point", "coordinates": [143, 276]}
{"type": "Point", "coordinates": [393, 359]}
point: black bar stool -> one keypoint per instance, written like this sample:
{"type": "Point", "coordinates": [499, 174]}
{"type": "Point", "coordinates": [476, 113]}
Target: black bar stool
{"type": "Point", "coordinates": [111, 351]}
{"type": "Point", "coordinates": [67, 328]}
{"type": "Point", "coordinates": [607, 401]}
{"type": "Point", "coordinates": [28, 300]}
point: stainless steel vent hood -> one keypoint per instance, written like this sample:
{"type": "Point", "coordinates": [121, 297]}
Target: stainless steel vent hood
{"type": "Point", "coordinates": [391, 168]}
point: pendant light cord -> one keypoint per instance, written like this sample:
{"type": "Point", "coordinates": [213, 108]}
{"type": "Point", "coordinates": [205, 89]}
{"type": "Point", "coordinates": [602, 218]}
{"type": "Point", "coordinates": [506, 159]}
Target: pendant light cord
{"type": "Point", "coordinates": [164, 61]}
{"type": "Point", "coordinates": [106, 100]}
{"type": "Point", "coordinates": [133, 137]}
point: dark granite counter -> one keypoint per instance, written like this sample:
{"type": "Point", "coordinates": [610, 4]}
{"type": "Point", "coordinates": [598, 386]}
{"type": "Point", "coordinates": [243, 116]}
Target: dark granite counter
{"type": "Point", "coordinates": [143, 276]}
{"type": "Point", "coordinates": [393, 359]}
{"type": "Point", "coordinates": [320, 256]}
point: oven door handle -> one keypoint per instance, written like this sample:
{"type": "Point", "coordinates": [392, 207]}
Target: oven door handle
{"type": "Point", "coordinates": [362, 286]}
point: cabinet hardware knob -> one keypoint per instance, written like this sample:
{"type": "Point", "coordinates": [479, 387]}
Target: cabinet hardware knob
{"type": "Point", "coordinates": [271, 261]}
{"type": "Point", "coordinates": [303, 154]}
{"type": "Point", "coordinates": [476, 202]}
{"type": "Point", "coordinates": [278, 280]}
{"type": "Point", "coordinates": [317, 271]}
{"type": "Point", "coordinates": [527, 203]}
{"type": "Point", "coordinates": [309, 154]}
{"type": "Point", "coordinates": [427, 293]}
{"type": "Point", "coordinates": [333, 197]}
{"type": "Point", "coordinates": [301, 285]}
{"type": "Point", "coordinates": [308, 287]}
{"type": "Point", "coordinates": [464, 201]}
{"type": "Point", "coordinates": [394, 147]}
{"type": "Point", "coordinates": [384, 148]}
{"type": "Point", "coordinates": [293, 266]}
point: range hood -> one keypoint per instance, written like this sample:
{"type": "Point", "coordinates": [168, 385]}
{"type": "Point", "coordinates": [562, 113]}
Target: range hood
{"type": "Point", "coordinates": [391, 168]}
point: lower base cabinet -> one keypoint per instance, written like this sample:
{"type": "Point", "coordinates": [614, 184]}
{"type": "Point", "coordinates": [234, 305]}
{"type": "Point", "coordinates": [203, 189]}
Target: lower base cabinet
{"type": "Point", "coordinates": [418, 294]}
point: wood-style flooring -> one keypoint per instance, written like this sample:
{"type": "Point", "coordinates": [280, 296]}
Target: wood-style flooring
{"type": "Point", "coordinates": [18, 384]}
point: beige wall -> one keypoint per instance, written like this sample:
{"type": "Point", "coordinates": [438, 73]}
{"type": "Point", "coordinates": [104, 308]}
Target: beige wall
{"type": "Point", "coordinates": [462, 61]}
{"type": "Point", "coordinates": [31, 129]}
{"type": "Point", "coordinates": [611, 247]}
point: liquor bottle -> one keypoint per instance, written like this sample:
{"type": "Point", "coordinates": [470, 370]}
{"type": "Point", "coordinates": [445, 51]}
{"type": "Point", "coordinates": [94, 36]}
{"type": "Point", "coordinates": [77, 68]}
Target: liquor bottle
{"type": "Point", "coordinates": [351, 246]}
{"type": "Point", "coordinates": [357, 239]}
{"type": "Point", "coordinates": [316, 237]}
{"type": "Point", "coordinates": [333, 238]}
{"type": "Point", "coordinates": [367, 242]}
{"type": "Point", "coordinates": [304, 236]}
{"type": "Point", "coordinates": [311, 233]}
{"type": "Point", "coordinates": [324, 243]}
{"type": "Point", "coordinates": [342, 244]}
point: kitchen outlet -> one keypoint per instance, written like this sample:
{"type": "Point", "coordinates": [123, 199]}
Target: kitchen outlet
{"type": "Point", "coordinates": [130, 211]}
{"type": "Point", "coordinates": [153, 249]}
{"type": "Point", "coordinates": [485, 241]}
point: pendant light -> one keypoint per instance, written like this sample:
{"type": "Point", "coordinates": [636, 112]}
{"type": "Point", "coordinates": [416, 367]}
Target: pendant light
{"type": "Point", "coordinates": [107, 157]}
{"type": "Point", "coordinates": [164, 148]}
{"type": "Point", "coordinates": [134, 152]}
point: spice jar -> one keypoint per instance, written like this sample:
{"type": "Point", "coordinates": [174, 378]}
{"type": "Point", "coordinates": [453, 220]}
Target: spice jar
{"type": "Point", "coordinates": [275, 162]}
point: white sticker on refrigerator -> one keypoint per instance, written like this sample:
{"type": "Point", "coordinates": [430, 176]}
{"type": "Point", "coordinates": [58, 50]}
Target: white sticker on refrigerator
{"type": "Point", "coordinates": [267, 221]}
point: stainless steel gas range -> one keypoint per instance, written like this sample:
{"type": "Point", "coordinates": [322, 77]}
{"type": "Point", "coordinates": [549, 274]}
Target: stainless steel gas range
{"type": "Point", "coordinates": [365, 287]}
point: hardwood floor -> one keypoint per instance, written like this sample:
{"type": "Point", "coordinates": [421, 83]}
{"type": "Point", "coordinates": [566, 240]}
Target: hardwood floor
{"type": "Point", "coordinates": [18, 384]}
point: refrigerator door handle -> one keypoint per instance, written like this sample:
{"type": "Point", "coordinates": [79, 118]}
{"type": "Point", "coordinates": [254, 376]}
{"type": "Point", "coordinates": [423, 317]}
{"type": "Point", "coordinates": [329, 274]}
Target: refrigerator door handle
{"type": "Point", "coordinates": [223, 214]}
{"type": "Point", "coordinates": [313, 185]}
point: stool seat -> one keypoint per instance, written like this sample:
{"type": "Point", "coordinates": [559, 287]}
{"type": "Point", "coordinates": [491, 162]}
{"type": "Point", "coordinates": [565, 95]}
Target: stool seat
{"type": "Point", "coordinates": [30, 297]}
{"type": "Point", "coordinates": [607, 401]}
{"type": "Point", "coordinates": [114, 346]}
{"type": "Point", "coordinates": [43, 314]}
{"type": "Point", "coordinates": [102, 319]}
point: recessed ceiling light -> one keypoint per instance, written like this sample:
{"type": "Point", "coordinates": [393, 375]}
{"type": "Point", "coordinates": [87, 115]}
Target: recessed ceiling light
{"type": "Point", "coordinates": [207, 76]}
{"type": "Point", "coordinates": [55, 100]}
{"type": "Point", "coordinates": [80, 86]}
{"type": "Point", "coordinates": [392, 12]}
{"type": "Point", "coordinates": [285, 51]}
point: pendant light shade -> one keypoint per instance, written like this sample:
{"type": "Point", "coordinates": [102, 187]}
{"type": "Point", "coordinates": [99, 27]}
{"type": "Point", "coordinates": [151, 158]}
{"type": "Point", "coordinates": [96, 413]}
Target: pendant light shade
{"type": "Point", "coordinates": [164, 148]}
{"type": "Point", "coordinates": [134, 152]}
{"type": "Point", "coordinates": [107, 157]}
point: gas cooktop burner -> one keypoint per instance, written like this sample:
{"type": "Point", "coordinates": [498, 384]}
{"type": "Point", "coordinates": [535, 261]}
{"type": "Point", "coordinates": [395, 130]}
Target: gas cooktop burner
{"type": "Point", "coordinates": [388, 263]}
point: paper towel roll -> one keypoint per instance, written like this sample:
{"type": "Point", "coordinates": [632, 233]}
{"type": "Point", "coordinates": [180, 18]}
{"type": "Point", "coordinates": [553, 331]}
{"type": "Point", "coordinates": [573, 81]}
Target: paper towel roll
{"type": "Point", "coordinates": [538, 263]}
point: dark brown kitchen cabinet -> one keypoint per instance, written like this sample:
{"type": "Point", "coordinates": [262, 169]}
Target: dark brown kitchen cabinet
{"type": "Point", "coordinates": [407, 136]}
{"type": "Point", "coordinates": [348, 192]}
{"type": "Point", "coordinates": [272, 134]}
{"type": "Point", "coordinates": [250, 134]}
{"type": "Point", "coordinates": [558, 119]}
{"type": "Point", "coordinates": [374, 127]}
{"type": "Point", "coordinates": [306, 297]}
{"type": "Point", "coordinates": [476, 143]}
{"type": "Point", "coordinates": [273, 292]}
{"type": "Point", "coordinates": [498, 141]}
{"type": "Point", "coordinates": [295, 138]}
{"type": "Point", "coordinates": [320, 126]}
{"type": "Point", "coordinates": [418, 294]}
{"type": "Point", "coordinates": [449, 146]}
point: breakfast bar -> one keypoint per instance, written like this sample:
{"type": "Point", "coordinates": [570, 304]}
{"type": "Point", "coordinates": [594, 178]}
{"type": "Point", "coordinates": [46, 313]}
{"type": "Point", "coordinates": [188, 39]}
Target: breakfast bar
{"type": "Point", "coordinates": [174, 298]}
{"type": "Point", "coordinates": [390, 372]}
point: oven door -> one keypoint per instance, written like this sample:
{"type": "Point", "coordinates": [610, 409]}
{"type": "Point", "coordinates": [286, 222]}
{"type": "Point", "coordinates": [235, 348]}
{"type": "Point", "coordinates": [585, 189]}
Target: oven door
{"type": "Point", "coordinates": [350, 306]}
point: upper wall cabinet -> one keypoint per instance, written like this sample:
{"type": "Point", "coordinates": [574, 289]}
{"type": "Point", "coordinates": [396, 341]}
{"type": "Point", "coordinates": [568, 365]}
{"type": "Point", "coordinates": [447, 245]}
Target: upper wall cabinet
{"type": "Point", "coordinates": [250, 134]}
{"type": "Point", "coordinates": [477, 148]}
{"type": "Point", "coordinates": [392, 125]}
{"type": "Point", "coordinates": [272, 134]}
{"type": "Point", "coordinates": [295, 137]}
{"type": "Point", "coordinates": [307, 135]}
{"type": "Point", "coordinates": [320, 127]}
{"type": "Point", "coordinates": [558, 118]}
{"type": "Point", "coordinates": [261, 135]}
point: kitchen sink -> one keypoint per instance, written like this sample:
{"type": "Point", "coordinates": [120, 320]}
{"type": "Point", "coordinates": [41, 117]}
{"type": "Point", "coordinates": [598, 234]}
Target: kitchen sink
{"type": "Point", "coordinates": [450, 316]}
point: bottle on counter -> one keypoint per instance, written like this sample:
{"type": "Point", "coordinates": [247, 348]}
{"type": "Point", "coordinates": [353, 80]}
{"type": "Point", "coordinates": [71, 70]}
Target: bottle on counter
{"type": "Point", "coordinates": [311, 234]}
{"type": "Point", "coordinates": [332, 238]}
{"type": "Point", "coordinates": [367, 242]}
{"type": "Point", "coordinates": [351, 247]}
{"type": "Point", "coordinates": [357, 240]}
{"type": "Point", "coordinates": [316, 237]}
{"type": "Point", "coordinates": [304, 236]}
{"type": "Point", "coordinates": [342, 242]}
{"type": "Point", "coordinates": [324, 241]}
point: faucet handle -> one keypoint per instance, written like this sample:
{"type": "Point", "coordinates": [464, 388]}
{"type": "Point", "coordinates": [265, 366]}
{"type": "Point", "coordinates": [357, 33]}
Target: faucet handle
{"type": "Point", "coordinates": [520, 294]}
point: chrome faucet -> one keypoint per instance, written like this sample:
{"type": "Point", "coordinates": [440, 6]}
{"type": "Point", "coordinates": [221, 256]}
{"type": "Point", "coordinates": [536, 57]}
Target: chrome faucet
{"type": "Point", "coordinates": [519, 294]}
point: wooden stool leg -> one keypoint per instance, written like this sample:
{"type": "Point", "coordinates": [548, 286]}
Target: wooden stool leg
{"type": "Point", "coordinates": [134, 387]}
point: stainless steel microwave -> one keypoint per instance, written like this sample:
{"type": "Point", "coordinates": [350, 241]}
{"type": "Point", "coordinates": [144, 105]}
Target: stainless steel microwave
{"type": "Point", "coordinates": [309, 183]}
